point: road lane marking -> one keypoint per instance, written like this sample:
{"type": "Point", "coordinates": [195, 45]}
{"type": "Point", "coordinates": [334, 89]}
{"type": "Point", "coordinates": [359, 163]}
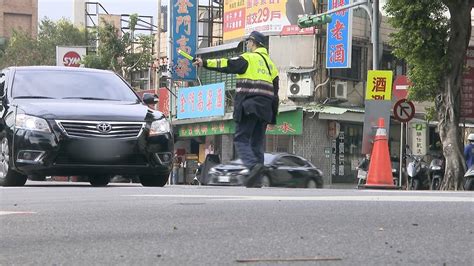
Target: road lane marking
{"type": "Point", "coordinates": [11, 212]}
{"type": "Point", "coordinates": [392, 198]}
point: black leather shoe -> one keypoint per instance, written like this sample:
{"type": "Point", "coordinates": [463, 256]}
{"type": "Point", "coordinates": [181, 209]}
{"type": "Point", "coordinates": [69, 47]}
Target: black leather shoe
{"type": "Point", "coordinates": [254, 174]}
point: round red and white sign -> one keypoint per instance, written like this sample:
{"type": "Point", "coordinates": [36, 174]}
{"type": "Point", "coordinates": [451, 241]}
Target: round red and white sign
{"type": "Point", "coordinates": [404, 110]}
{"type": "Point", "coordinates": [72, 59]}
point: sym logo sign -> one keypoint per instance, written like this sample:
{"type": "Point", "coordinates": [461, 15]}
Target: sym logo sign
{"type": "Point", "coordinates": [72, 59]}
{"type": "Point", "coordinates": [70, 56]}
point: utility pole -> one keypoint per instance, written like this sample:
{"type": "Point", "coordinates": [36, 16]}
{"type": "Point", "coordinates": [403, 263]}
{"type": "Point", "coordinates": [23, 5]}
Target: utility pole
{"type": "Point", "coordinates": [158, 48]}
{"type": "Point", "coordinates": [375, 34]}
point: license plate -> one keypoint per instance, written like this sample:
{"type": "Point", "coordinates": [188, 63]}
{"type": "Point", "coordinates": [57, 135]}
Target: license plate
{"type": "Point", "coordinates": [224, 179]}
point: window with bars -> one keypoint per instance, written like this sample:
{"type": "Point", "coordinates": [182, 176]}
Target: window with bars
{"type": "Point", "coordinates": [356, 71]}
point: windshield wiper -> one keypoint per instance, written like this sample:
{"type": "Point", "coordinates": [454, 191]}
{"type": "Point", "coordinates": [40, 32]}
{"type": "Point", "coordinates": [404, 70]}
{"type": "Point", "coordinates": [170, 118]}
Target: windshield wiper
{"type": "Point", "coordinates": [88, 98]}
{"type": "Point", "coordinates": [33, 97]}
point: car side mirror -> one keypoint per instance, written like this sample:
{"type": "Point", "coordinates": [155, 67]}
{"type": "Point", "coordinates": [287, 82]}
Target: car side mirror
{"type": "Point", "coordinates": [149, 98]}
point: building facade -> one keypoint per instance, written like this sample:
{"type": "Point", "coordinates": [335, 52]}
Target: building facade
{"type": "Point", "coordinates": [19, 15]}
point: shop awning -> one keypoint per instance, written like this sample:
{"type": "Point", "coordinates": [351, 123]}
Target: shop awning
{"type": "Point", "coordinates": [289, 122]}
{"type": "Point", "coordinates": [349, 114]}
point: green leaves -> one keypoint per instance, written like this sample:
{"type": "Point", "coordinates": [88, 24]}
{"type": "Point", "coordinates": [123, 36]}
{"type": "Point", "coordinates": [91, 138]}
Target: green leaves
{"type": "Point", "coordinates": [121, 53]}
{"type": "Point", "coordinates": [421, 40]}
{"type": "Point", "coordinates": [25, 50]}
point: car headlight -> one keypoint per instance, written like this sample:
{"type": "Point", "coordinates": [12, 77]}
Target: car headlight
{"type": "Point", "coordinates": [244, 171]}
{"type": "Point", "coordinates": [32, 123]}
{"type": "Point", "coordinates": [212, 171]}
{"type": "Point", "coordinates": [320, 172]}
{"type": "Point", "coordinates": [434, 168]}
{"type": "Point", "coordinates": [159, 127]}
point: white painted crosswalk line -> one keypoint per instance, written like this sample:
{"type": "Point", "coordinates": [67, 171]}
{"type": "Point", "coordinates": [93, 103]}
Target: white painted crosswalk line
{"type": "Point", "coordinates": [374, 198]}
{"type": "Point", "coordinates": [12, 212]}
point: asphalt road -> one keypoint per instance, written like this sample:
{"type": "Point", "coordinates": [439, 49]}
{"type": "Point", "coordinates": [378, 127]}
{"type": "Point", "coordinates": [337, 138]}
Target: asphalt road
{"type": "Point", "coordinates": [54, 223]}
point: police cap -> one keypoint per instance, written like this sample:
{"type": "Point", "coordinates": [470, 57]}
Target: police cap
{"type": "Point", "coordinates": [257, 37]}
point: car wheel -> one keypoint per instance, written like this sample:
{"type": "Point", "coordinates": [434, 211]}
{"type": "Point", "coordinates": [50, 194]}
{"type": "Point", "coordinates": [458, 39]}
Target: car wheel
{"type": "Point", "coordinates": [311, 183]}
{"type": "Point", "coordinates": [99, 180]}
{"type": "Point", "coordinates": [154, 180]}
{"type": "Point", "coordinates": [319, 182]}
{"type": "Point", "coordinates": [8, 177]}
{"type": "Point", "coordinates": [469, 185]}
{"type": "Point", "coordinates": [266, 181]}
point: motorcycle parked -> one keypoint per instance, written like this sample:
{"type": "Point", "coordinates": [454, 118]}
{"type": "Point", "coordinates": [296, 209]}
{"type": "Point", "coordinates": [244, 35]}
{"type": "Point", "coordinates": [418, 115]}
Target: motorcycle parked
{"type": "Point", "coordinates": [436, 172]}
{"type": "Point", "coordinates": [469, 176]}
{"type": "Point", "coordinates": [395, 170]}
{"type": "Point", "coordinates": [362, 170]}
{"type": "Point", "coordinates": [417, 170]}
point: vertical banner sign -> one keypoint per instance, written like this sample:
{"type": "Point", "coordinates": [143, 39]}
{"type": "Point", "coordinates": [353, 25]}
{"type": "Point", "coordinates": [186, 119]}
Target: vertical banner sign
{"type": "Point", "coordinates": [339, 36]}
{"type": "Point", "coordinates": [201, 101]}
{"type": "Point", "coordinates": [419, 139]}
{"type": "Point", "coordinates": [164, 101]}
{"type": "Point", "coordinates": [467, 89]}
{"type": "Point", "coordinates": [378, 104]}
{"type": "Point", "coordinates": [337, 156]}
{"type": "Point", "coordinates": [184, 34]}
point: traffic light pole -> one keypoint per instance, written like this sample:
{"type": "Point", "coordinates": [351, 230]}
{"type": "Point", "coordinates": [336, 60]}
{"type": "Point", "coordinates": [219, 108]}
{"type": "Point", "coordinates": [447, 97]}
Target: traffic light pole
{"type": "Point", "coordinates": [372, 11]}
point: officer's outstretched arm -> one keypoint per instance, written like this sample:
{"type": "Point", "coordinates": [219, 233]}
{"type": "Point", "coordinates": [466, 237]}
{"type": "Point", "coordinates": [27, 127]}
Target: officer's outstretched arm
{"type": "Point", "coordinates": [235, 65]}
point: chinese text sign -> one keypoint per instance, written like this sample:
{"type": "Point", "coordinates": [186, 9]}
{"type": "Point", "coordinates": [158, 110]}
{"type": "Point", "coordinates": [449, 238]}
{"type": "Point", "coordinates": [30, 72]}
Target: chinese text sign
{"type": "Point", "coordinates": [419, 138]}
{"type": "Point", "coordinates": [379, 85]}
{"type": "Point", "coordinates": [241, 17]}
{"type": "Point", "coordinates": [339, 36]}
{"type": "Point", "coordinates": [201, 101]}
{"type": "Point", "coordinates": [184, 34]}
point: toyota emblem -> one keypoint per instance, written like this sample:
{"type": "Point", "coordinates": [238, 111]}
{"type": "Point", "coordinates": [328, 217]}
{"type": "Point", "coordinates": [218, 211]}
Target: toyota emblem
{"type": "Point", "coordinates": [104, 128]}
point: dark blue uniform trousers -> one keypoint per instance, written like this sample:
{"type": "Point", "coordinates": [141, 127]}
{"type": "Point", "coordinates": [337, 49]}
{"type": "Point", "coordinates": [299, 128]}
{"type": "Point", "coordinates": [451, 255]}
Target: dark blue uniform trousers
{"type": "Point", "coordinates": [249, 139]}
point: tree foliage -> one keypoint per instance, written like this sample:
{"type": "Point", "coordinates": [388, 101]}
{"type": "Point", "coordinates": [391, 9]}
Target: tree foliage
{"type": "Point", "coordinates": [122, 54]}
{"type": "Point", "coordinates": [432, 37]}
{"type": "Point", "coordinates": [22, 49]}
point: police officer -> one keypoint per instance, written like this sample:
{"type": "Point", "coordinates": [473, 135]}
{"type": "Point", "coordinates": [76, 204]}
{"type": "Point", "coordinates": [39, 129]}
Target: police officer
{"type": "Point", "coordinates": [255, 103]}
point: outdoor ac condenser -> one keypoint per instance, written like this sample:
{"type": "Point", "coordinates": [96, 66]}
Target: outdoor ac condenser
{"type": "Point", "coordinates": [339, 89]}
{"type": "Point", "coordinates": [300, 85]}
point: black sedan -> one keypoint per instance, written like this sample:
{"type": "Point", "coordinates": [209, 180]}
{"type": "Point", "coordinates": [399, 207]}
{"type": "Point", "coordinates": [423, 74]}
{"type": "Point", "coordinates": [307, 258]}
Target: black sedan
{"type": "Point", "coordinates": [76, 121]}
{"type": "Point", "coordinates": [282, 169]}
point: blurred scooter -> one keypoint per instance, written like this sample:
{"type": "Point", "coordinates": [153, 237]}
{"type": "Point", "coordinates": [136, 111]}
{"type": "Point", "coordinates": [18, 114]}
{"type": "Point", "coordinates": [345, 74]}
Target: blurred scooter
{"type": "Point", "coordinates": [362, 170]}
{"type": "Point", "coordinates": [469, 176]}
{"type": "Point", "coordinates": [436, 172]}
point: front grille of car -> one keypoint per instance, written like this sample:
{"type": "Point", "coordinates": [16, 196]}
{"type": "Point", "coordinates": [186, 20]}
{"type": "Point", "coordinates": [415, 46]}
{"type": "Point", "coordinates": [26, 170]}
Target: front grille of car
{"type": "Point", "coordinates": [101, 129]}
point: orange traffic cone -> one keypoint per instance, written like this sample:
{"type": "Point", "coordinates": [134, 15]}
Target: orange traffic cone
{"type": "Point", "coordinates": [380, 167]}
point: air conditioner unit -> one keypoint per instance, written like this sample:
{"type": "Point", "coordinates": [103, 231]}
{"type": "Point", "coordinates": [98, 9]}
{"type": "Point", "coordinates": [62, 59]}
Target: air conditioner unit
{"type": "Point", "coordinates": [339, 89]}
{"type": "Point", "coordinates": [300, 85]}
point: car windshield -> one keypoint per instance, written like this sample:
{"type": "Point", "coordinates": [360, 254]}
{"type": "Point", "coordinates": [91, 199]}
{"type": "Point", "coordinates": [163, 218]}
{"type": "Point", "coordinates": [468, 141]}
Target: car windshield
{"type": "Point", "coordinates": [59, 84]}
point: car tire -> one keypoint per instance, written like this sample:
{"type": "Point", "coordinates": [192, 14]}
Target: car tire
{"type": "Point", "coordinates": [99, 180]}
{"type": "Point", "coordinates": [311, 183]}
{"type": "Point", "coordinates": [319, 182]}
{"type": "Point", "coordinates": [266, 181]}
{"type": "Point", "coordinates": [154, 180]}
{"type": "Point", "coordinates": [8, 177]}
{"type": "Point", "coordinates": [469, 185]}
